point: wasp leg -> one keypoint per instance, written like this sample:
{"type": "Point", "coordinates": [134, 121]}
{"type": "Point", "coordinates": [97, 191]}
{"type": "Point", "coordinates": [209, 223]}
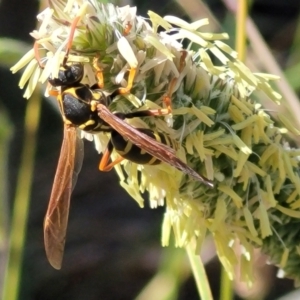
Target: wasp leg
{"type": "Point", "coordinates": [144, 113]}
{"type": "Point", "coordinates": [53, 93]}
{"type": "Point", "coordinates": [99, 73]}
{"type": "Point", "coordinates": [127, 89]}
{"type": "Point", "coordinates": [132, 71]}
{"type": "Point", "coordinates": [104, 165]}
{"type": "Point", "coordinates": [167, 98]}
{"type": "Point", "coordinates": [127, 28]}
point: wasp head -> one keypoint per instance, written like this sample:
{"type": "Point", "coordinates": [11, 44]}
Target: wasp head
{"type": "Point", "coordinates": [68, 75]}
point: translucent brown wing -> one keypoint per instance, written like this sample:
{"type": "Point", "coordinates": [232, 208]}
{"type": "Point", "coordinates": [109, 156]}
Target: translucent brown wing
{"type": "Point", "coordinates": [56, 219]}
{"type": "Point", "coordinates": [153, 147]}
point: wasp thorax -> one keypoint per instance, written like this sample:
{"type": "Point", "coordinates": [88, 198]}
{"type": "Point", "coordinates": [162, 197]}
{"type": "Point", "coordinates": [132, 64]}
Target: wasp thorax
{"type": "Point", "coordinates": [68, 75]}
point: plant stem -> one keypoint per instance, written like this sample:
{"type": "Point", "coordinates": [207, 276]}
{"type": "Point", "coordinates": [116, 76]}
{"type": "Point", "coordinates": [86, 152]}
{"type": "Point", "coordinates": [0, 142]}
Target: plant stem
{"type": "Point", "coordinates": [22, 199]}
{"type": "Point", "coordinates": [241, 15]}
{"type": "Point", "coordinates": [5, 136]}
{"type": "Point", "coordinates": [226, 286]}
{"type": "Point", "coordinates": [199, 274]}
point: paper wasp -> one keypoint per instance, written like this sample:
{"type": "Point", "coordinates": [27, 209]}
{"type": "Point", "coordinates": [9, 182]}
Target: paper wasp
{"type": "Point", "coordinates": [86, 108]}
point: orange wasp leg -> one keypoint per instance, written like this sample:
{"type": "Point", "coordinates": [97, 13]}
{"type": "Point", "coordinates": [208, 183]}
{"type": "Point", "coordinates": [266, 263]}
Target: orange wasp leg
{"type": "Point", "coordinates": [127, 89]}
{"type": "Point", "coordinates": [167, 98]}
{"type": "Point", "coordinates": [98, 73]}
{"type": "Point", "coordinates": [53, 93]}
{"type": "Point", "coordinates": [99, 70]}
{"type": "Point", "coordinates": [127, 28]}
{"type": "Point", "coordinates": [104, 165]}
{"type": "Point", "coordinates": [132, 71]}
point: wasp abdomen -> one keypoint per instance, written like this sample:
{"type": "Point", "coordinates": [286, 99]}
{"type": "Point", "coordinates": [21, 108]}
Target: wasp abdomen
{"type": "Point", "coordinates": [134, 153]}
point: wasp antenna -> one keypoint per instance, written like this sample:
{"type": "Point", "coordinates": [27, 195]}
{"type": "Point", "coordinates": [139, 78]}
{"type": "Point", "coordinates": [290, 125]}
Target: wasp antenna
{"type": "Point", "coordinates": [70, 39]}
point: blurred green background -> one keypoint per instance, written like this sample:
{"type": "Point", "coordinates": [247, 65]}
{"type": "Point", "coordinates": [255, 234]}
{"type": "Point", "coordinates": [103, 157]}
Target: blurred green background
{"type": "Point", "coordinates": [113, 247]}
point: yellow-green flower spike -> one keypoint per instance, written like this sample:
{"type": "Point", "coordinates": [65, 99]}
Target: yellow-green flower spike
{"type": "Point", "coordinates": [221, 131]}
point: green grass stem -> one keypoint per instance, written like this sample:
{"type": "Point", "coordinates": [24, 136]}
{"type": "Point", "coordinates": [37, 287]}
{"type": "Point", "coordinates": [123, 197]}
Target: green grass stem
{"type": "Point", "coordinates": [22, 200]}
{"type": "Point", "coordinates": [199, 274]}
{"type": "Point", "coordinates": [5, 136]}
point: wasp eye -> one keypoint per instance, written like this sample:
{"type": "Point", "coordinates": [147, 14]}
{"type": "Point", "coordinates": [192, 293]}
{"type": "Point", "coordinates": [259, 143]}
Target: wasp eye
{"type": "Point", "coordinates": [68, 75]}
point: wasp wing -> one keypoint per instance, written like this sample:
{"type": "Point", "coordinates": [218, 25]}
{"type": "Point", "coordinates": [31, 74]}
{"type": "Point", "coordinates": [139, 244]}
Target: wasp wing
{"type": "Point", "coordinates": [56, 219]}
{"type": "Point", "coordinates": [150, 145]}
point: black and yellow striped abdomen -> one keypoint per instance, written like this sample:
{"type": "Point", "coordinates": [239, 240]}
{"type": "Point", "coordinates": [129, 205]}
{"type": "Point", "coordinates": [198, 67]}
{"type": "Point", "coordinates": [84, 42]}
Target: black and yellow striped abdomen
{"type": "Point", "coordinates": [131, 152]}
